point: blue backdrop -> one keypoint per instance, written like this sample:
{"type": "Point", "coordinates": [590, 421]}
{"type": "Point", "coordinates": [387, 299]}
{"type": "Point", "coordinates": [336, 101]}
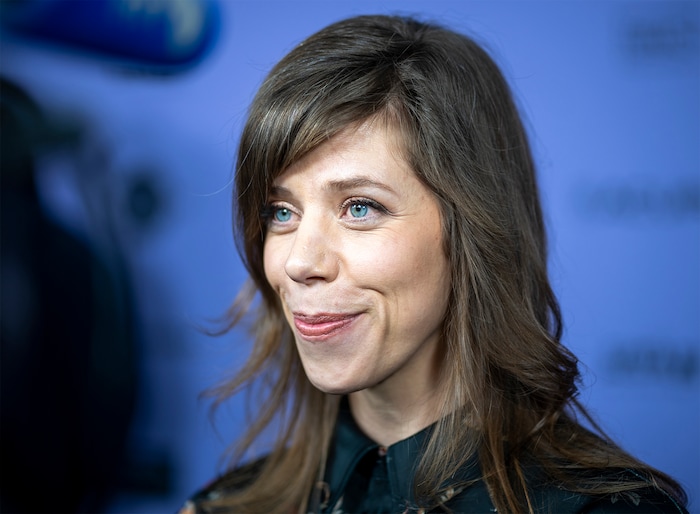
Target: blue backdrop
{"type": "Point", "coordinates": [611, 95]}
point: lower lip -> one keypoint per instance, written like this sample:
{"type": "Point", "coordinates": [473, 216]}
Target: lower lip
{"type": "Point", "coordinates": [323, 330]}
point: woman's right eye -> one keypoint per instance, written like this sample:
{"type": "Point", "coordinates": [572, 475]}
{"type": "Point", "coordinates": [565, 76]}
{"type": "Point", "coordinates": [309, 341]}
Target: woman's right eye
{"type": "Point", "coordinates": [279, 217]}
{"type": "Point", "coordinates": [281, 214]}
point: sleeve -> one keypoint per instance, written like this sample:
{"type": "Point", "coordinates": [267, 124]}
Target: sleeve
{"type": "Point", "coordinates": [646, 501]}
{"type": "Point", "coordinates": [225, 484]}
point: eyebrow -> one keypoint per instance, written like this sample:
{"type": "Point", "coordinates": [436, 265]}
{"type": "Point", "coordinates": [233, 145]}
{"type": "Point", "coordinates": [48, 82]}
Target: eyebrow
{"type": "Point", "coordinates": [340, 186]}
{"type": "Point", "coordinates": [357, 183]}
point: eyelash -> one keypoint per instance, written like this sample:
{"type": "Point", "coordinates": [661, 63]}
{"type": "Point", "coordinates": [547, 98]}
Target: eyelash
{"type": "Point", "coordinates": [268, 212]}
{"type": "Point", "coordinates": [363, 201]}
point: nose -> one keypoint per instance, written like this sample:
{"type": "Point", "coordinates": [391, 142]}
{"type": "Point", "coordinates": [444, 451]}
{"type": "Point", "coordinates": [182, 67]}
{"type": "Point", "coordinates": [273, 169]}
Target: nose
{"type": "Point", "coordinates": [312, 256]}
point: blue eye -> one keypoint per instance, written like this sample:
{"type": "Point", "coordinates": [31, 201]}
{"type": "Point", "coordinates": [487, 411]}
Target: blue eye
{"type": "Point", "coordinates": [358, 210]}
{"type": "Point", "coordinates": [282, 214]}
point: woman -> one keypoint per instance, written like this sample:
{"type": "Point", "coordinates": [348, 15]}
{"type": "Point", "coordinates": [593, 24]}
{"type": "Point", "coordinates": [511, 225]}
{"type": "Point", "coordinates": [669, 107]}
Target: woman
{"type": "Point", "coordinates": [407, 337]}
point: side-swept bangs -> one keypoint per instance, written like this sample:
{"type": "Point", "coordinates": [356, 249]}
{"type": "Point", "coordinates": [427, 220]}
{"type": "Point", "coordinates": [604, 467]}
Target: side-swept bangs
{"type": "Point", "coordinates": [316, 91]}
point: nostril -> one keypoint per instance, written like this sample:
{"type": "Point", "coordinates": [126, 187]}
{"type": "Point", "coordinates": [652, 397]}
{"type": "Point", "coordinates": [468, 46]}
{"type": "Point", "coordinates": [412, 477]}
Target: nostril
{"type": "Point", "coordinates": [310, 259]}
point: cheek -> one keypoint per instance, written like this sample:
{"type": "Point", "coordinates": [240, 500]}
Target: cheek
{"type": "Point", "coordinates": [272, 264]}
{"type": "Point", "coordinates": [409, 266]}
{"type": "Point", "coordinates": [426, 273]}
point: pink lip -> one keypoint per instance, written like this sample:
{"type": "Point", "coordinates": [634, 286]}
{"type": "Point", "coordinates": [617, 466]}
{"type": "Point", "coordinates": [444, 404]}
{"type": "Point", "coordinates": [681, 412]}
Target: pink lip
{"type": "Point", "coordinates": [319, 327]}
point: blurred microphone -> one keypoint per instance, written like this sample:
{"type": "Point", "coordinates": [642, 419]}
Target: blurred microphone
{"type": "Point", "coordinates": [158, 35]}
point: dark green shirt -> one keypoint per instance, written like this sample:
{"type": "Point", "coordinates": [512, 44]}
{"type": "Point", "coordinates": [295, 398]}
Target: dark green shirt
{"type": "Point", "coordinates": [364, 477]}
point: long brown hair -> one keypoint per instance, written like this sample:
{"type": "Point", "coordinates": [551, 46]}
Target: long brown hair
{"type": "Point", "coordinates": [513, 385]}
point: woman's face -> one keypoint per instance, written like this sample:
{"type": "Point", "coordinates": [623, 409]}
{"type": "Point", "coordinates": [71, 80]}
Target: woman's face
{"type": "Point", "coordinates": [354, 251]}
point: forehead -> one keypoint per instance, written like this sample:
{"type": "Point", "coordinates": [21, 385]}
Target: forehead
{"type": "Point", "coordinates": [368, 152]}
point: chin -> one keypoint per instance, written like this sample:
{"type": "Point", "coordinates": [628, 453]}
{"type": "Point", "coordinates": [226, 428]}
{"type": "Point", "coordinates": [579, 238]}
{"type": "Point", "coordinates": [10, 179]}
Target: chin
{"type": "Point", "coordinates": [335, 386]}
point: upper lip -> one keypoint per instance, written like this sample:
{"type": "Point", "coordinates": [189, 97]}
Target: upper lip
{"type": "Point", "coordinates": [323, 317]}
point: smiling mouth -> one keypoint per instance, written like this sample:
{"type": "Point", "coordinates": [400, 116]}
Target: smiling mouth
{"type": "Point", "coordinates": [322, 326]}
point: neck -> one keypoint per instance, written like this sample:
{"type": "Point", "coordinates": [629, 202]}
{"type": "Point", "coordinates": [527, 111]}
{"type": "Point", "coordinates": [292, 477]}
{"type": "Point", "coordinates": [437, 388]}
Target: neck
{"type": "Point", "coordinates": [402, 405]}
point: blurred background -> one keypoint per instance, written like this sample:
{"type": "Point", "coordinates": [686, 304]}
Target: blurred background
{"type": "Point", "coordinates": [119, 126]}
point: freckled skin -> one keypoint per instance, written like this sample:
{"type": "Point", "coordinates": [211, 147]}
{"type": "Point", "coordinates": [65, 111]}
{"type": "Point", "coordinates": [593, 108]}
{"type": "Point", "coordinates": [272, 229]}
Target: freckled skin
{"type": "Point", "coordinates": [353, 232]}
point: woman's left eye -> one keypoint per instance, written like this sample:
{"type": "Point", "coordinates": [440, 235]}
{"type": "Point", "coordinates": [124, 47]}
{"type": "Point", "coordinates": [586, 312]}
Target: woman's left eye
{"type": "Point", "coordinates": [358, 210]}
{"type": "Point", "coordinates": [362, 209]}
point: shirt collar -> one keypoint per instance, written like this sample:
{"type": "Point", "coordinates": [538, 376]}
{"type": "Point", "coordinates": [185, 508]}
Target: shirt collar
{"type": "Point", "coordinates": [350, 445]}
